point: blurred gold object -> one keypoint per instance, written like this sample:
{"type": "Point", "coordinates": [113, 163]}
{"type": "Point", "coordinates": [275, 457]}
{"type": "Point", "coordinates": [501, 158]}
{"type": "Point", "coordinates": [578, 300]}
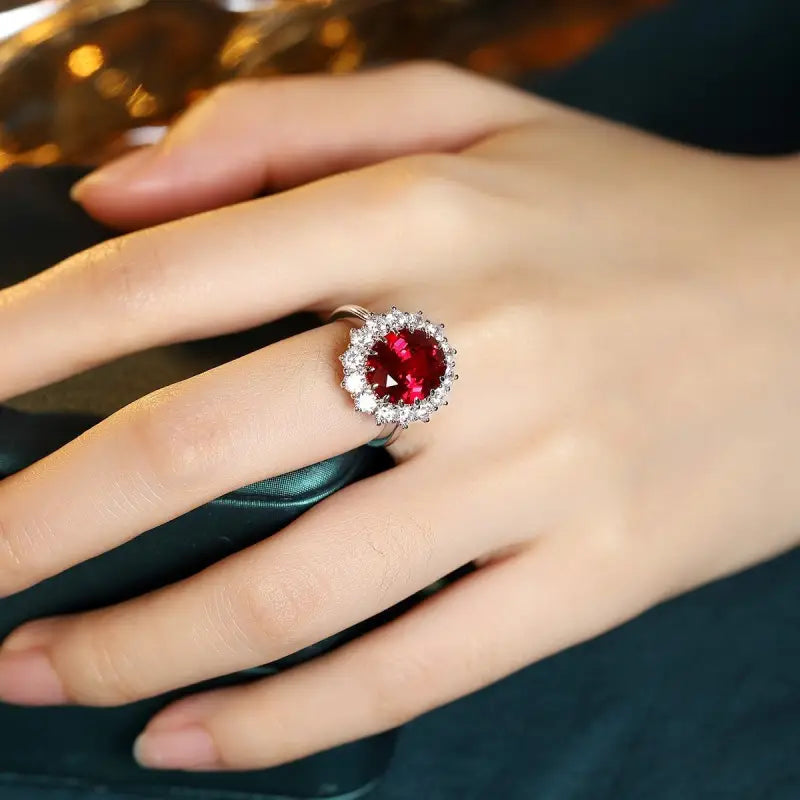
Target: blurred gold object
{"type": "Point", "coordinates": [81, 80]}
{"type": "Point", "coordinates": [85, 60]}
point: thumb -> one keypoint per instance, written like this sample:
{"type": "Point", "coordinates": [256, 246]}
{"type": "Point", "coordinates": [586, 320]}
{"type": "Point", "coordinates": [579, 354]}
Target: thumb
{"type": "Point", "coordinates": [253, 135]}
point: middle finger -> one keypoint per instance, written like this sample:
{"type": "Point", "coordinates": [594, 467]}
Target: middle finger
{"type": "Point", "coordinates": [354, 555]}
{"type": "Point", "coordinates": [238, 267]}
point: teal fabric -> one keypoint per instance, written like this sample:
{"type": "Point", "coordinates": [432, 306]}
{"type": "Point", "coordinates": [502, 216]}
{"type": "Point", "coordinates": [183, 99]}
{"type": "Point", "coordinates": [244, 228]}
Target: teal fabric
{"type": "Point", "coordinates": [699, 699]}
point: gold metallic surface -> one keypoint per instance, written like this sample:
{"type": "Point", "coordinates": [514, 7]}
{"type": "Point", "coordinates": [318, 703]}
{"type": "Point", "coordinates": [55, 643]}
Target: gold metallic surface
{"type": "Point", "coordinates": [77, 82]}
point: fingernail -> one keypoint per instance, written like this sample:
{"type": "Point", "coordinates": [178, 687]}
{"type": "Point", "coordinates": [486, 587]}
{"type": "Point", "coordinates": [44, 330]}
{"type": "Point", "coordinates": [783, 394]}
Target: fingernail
{"type": "Point", "coordinates": [27, 678]}
{"type": "Point", "coordinates": [123, 170]}
{"type": "Point", "coordinates": [189, 748]}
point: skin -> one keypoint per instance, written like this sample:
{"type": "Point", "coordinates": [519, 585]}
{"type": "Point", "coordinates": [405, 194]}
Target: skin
{"type": "Point", "coordinates": [625, 429]}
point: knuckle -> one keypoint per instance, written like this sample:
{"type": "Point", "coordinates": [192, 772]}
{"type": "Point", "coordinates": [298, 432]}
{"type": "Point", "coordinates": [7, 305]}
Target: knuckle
{"type": "Point", "coordinates": [185, 442]}
{"type": "Point", "coordinates": [111, 681]}
{"type": "Point", "coordinates": [610, 543]}
{"type": "Point", "coordinates": [97, 671]}
{"type": "Point", "coordinates": [23, 553]}
{"type": "Point", "coordinates": [401, 546]}
{"type": "Point", "coordinates": [276, 611]}
{"type": "Point", "coordinates": [428, 192]}
{"type": "Point", "coordinates": [12, 559]}
{"type": "Point", "coordinates": [580, 455]}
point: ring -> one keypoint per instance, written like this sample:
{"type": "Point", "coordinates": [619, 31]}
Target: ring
{"type": "Point", "coordinates": [399, 368]}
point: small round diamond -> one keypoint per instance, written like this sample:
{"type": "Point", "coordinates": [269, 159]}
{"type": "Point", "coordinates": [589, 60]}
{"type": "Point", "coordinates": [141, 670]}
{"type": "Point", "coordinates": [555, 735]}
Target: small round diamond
{"type": "Point", "coordinates": [366, 402]}
{"type": "Point", "coordinates": [386, 414]}
{"type": "Point", "coordinates": [358, 336]}
{"type": "Point", "coordinates": [352, 360]}
{"type": "Point", "coordinates": [354, 383]}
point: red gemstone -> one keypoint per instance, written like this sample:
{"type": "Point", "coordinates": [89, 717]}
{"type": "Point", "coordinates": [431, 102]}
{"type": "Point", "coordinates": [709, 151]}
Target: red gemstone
{"type": "Point", "coordinates": [406, 366]}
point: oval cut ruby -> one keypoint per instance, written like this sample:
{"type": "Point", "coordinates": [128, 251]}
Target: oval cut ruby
{"type": "Point", "coordinates": [406, 366]}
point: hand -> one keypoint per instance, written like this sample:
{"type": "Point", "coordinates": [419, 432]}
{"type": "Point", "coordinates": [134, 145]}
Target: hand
{"type": "Point", "coordinates": [625, 428]}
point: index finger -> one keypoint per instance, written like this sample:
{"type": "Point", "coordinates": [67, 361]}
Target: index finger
{"type": "Point", "coordinates": [343, 240]}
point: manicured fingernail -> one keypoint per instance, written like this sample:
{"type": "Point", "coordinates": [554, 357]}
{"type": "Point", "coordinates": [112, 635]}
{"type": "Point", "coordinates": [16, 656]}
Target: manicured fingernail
{"type": "Point", "coordinates": [123, 170]}
{"type": "Point", "coordinates": [189, 748]}
{"type": "Point", "coordinates": [27, 678]}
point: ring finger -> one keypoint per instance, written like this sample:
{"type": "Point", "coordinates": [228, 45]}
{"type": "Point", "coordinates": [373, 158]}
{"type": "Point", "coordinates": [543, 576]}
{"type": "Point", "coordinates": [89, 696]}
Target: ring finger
{"type": "Point", "coordinates": [273, 411]}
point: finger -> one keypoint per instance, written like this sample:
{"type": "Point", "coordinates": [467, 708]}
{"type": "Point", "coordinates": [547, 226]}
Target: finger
{"type": "Point", "coordinates": [347, 239]}
{"type": "Point", "coordinates": [356, 554]}
{"type": "Point", "coordinates": [488, 625]}
{"type": "Point", "coordinates": [270, 412]}
{"type": "Point", "coordinates": [282, 132]}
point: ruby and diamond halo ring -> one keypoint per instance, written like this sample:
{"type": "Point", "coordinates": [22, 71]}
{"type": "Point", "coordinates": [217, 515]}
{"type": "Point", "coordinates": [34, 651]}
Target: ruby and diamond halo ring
{"type": "Point", "coordinates": [399, 367]}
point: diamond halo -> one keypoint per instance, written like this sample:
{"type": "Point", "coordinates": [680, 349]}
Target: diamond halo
{"type": "Point", "coordinates": [358, 375]}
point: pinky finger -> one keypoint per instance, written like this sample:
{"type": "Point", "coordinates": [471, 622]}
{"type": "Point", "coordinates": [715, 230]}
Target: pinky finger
{"type": "Point", "coordinates": [479, 630]}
